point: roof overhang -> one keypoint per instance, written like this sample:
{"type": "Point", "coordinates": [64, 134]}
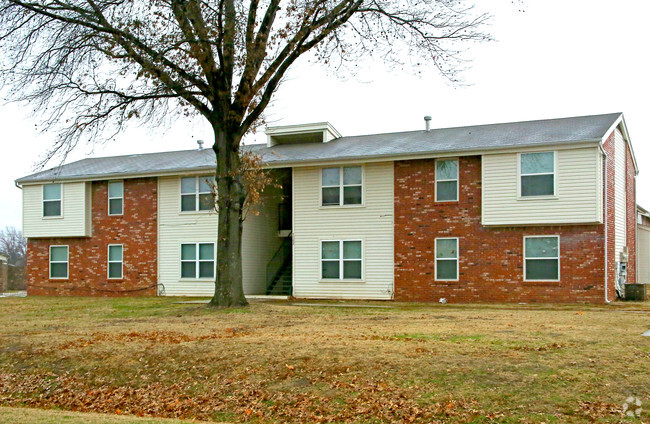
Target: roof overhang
{"type": "Point", "coordinates": [622, 126]}
{"type": "Point", "coordinates": [318, 132]}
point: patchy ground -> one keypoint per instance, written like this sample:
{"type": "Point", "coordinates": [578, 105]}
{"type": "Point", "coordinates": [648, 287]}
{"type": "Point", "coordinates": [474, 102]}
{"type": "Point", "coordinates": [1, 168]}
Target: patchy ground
{"type": "Point", "coordinates": [273, 362]}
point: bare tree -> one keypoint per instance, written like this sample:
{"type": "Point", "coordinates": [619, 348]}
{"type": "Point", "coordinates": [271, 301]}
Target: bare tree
{"type": "Point", "coordinates": [92, 66]}
{"type": "Point", "coordinates": [14, 246]}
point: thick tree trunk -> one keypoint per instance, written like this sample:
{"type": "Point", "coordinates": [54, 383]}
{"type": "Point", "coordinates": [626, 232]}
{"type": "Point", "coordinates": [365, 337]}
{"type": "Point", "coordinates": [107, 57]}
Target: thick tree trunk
{"type": "Point", "coordinates": [229, 290]}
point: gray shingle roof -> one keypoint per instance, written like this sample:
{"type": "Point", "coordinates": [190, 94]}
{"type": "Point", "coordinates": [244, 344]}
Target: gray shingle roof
{"type": "Point", "coordinates": [392, 145]}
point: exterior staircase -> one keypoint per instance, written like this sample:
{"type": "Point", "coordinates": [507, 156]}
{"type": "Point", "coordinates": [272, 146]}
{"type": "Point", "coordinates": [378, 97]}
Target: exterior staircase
{"type": "Point", "coordinates": [282, 283]}
{"type": "Point", "coordinates": [279, 271]}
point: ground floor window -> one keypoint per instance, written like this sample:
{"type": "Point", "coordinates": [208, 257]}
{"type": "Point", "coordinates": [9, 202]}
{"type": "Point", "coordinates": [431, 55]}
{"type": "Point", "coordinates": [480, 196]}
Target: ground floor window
{"type": "Point", "coordinates": [341, 260]}
{"type": "Point", "coordinates": [447, 259]}
{"type": "Point", "coordinates": [541, 258]}
{"type": "Point", "coordinates": [115, 261]}
{"type": "Point", "coordinates": [59, 262]}
{"type": "Point", "coordinates": [197, 260]}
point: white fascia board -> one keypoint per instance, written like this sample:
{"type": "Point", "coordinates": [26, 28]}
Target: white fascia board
{"type": "Point", "coordinates": [620, 122]}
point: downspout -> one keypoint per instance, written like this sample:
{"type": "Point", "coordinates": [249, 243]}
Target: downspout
{"type": "Point", "coordinates": [606, 216]}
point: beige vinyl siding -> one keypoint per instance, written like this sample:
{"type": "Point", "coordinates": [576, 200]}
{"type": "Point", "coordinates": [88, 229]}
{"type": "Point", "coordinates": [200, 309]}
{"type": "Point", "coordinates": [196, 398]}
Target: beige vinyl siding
{"type": "Point", "coordinates": [259, 242]}
{"type": "Point", "coordinates": [74, 221]}
{"type": "Point", "coordinates": [372, 223]}
{"type": "Point", "coordinates": [643, 256]}
{"type": "Point", "coordinates": [620, 195]}
{"type": "Point", "coordinates": [577, 198]}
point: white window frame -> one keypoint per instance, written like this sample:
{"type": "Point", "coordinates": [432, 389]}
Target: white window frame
{"type": "Point", "coordinates": [341, 187]}
{"type": "Point", "coordinates": [456, 179]}
{"type": "Point", "coordinates": [559, 264]}
{"type": "Point", "coordinates": [554, 173]}
{"type": "Point", "coordinates": [60, 200]}
{"type": "Point", "coordinates": [108, 268]}
{"type": "Point", "coordinates": [341, 262]}
{"type": "Point", "coordinates": [67, 263]}
{"type": "Point", "coordinates": [115, 198]}
{"type": "Point", "coordinates": [197, 261]}
{"type": "Point", "coordinates": [197, 194]}
{"type": "Point", "coordinates": [435, 255]}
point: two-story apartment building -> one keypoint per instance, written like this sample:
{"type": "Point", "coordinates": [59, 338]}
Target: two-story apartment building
{"type": "Point", "coordinates": [537, 211]}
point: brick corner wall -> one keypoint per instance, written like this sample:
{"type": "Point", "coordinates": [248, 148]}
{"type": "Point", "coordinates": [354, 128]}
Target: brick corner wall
{"type": "Point", "coordinates": [490, 259]}
{"type": "Point", "coordinates": [136, 230]}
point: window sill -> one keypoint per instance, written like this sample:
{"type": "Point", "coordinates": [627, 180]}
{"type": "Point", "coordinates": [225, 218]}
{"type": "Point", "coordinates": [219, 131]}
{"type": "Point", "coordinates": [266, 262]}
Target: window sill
{"type": "Point", "coordinates": [53, 217]}
{"type": "Point", "coordinates": [58, 279]}
{"type": "Point", "coordinates": [116, 215]}
{"type": "Point", "coordinates": [212, 211]}
{"type": "Point", "coordinates": [553, 197]}
{"type": "Point", "coordinates": [446, 201]}
{"type": "Point", "coordinates": [346, 281]}
{"type": "Point", "coordinates": [197, 280]}
{"type": "Point", "coordinates": [342, 206]}
{"type": "Point", "coordinates": [541, 282]}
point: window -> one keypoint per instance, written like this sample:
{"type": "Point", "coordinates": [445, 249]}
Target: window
{"type": "Point", "coordinates": [342, 186]}
{"type": "Point", "coordinates": [116, 198]}
{"type": "Point", "coordinates": [341, 260]}
{"type": "Point", "coordinates": [59, 262]}
{"type": "Point", "coordinates": [115, 261]}
{"type": "Point", "coordinates": [537, 173]}
{"type": "Point", "coordinates": [197, 260]}
{"type": "Point", "coordinates": [446, 180]}
{"type": "Point", "coordinates": [447, 259]}
{"type": "Point", "coordinates": [52, 200]}
{"type": "Point", "coordinates": [542, 258]}
{"type": "Point", "coordinates": [196, 194]}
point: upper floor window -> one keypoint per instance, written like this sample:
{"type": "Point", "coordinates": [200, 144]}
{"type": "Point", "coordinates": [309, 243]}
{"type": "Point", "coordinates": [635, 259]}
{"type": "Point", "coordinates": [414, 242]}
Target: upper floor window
{"type": "Point", "coordinates": [115, 260]}
{"type": "Point", "coordinates": [542, 258]}
{"type": "Point", "coordinates": [196, 194]}
{"type": "Point", "coordinates": [447, 259]}
{"type": "Point", "coordinates": [342, 186]}
{"type": "Point", "coordinates": [59, 262]}
{"type": "Point", "coordinates": [197, 260]}
{"type": "Point", "coordinates": [537, 174]}
{"type": "Point", "coordinates": [115, 198]}
{"type": "Point", "coordinates": [52, 200]}
{"type": "Point", "coordinates": [341, 260]}
{"type": "Point", "coordinates": [446, 180]}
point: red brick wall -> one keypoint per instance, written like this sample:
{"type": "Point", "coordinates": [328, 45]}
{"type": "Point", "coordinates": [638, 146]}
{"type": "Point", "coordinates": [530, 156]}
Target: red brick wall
{"type": "Point", "coordinates": [136, 230]}
{"type": "Point", "coordinates": [490, 259]}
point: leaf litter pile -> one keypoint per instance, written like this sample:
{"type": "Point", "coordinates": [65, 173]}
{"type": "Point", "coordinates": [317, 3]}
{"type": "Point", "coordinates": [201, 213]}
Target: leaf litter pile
{"type": "Point", "coordinates": [281, 363]}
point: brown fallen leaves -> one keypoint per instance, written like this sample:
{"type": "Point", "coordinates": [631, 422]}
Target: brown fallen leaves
{"type": "Point", "coordinates": [162, 337]}
{"type": "Point", "coordinates": [364, 399]}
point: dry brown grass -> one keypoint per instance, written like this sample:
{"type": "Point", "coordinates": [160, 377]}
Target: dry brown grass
{"type": "Point", "coordinates": [282, 363]}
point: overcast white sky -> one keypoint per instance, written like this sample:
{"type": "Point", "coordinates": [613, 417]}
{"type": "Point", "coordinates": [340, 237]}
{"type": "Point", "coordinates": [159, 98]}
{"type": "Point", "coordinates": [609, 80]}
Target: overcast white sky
{"type": "Point", "coordinates": [558, 58]}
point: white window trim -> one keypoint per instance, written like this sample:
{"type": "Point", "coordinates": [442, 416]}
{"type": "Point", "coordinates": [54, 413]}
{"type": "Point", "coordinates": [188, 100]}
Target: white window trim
{"type": "Point", "coordinates": [43, 202]}
{"type": "Point", "coordinates": [435, 255]}
{"type": "Point", "coordinates": [108, 268]}
{"type": "Point", "coordinates": [196, 261]}
{"type": "Point", "coordinates": [559, 265]}
{"type": "Point", "coordinates": [113, 198]}
{"type": "Point", "coordinates": [67, 263]}
{"type": "Point", "coordinates": [196, 195]}
{"type": "Point", "coordinates": [436, 180]}
{"type": "Point", "coordinates": [341, 186]}
{"type": "Point", "coordinates": [341, 261]}
{"type": "Point", "coordinates": [554, 173]}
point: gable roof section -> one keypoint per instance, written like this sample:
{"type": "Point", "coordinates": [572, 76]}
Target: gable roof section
{"type": "Point", "coordinates": [549, 132]}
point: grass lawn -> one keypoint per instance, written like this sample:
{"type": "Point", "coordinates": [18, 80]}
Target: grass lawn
{"type": "Point", "coordinates": [274, 362]}
{"type": "Point", "coordinates": [40, 416]}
